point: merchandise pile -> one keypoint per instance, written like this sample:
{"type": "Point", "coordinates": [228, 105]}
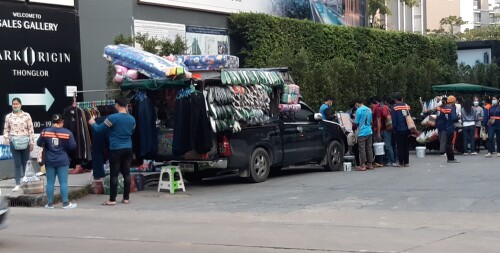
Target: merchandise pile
{"type": "Point", "coordinates": [242, 99]}
{"type": "Point", "coordinates": [129, 62]}
{"type": "Point", "coordinates": [205, 62]}
{"type": "Point", "coordinates": [290, 98]}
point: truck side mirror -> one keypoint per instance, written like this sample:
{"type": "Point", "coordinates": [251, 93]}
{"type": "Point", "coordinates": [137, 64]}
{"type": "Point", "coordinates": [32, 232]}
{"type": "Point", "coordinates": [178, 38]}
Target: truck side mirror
{"type": "Point", "coordinates": [318, 117]}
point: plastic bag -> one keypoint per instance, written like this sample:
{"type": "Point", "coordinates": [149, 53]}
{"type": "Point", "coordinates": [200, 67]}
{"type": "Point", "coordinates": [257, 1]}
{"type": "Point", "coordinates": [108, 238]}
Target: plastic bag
{"type": "Point", "coordinates": [30, 174]}
{"type": "Point", "coordinates": [31, 183]}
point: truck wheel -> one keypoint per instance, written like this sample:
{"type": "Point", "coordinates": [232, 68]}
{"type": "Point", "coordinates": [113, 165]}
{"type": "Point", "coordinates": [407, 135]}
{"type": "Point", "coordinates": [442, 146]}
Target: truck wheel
{"type": "Point", "coordinates": [334, 156]}
{"type": "Point", "coordinates": [259, 166]}
{"type": "Point", "coordinates": [192, 177]}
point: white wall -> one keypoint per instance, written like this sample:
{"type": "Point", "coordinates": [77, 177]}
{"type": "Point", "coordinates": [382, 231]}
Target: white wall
{"type": "Point", "coordinates": [471, 56]}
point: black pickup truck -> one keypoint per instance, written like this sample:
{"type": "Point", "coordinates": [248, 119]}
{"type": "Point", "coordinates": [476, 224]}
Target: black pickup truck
{"type": "Point", "coordinates": [299, 139]}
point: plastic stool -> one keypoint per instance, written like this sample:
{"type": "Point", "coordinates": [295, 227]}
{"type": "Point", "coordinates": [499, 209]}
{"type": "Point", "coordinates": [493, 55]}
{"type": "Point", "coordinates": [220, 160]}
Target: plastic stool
{"type": "Point", "coordinates": [173, 182]}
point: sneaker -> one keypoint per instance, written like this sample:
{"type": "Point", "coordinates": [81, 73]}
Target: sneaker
{"type": "Point", "coordinates": [453, 161]}
{"type": "Point", "coordinates": [395, 165]}
{"type": "Point", "coordinates": [17, 188]}
{"type": "Point", "coordinates": [488, 155]}
{"type": "Point", "coordinates": [474, 153]}
{"type": "Point", "coordinates": [466, 154]}
{"type": "Point", "coordinates": [70, 206]}
{"type": "Point", "coordinates": [49, 207]}
{"type": "Point", "coordinates": [407, 165]}
{"type": "Point", "coordinates": [498, 154]}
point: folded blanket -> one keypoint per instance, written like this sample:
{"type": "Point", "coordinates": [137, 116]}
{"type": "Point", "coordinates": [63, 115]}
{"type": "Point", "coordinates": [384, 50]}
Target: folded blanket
{"type": "Point", "coordinates": [146, 63]}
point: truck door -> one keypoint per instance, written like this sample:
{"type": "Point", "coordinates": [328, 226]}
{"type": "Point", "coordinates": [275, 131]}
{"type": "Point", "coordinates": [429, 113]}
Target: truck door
{"type": "Point", "coordinates": [290, 134]}
{"type": "Point", "coordinates": [310, 138]}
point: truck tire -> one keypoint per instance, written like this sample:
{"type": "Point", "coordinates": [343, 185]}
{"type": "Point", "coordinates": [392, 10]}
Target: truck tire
{"type": "Point", "coordinates": [259, 166]}
{"type": "Point", "coordinates": [334, 156]}
{"type": "Point", "coordinates": [192, 177]}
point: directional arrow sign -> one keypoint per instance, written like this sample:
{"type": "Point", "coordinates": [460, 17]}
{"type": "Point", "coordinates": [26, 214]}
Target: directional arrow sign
{"type": "Point", "coordinates": [34, 99]}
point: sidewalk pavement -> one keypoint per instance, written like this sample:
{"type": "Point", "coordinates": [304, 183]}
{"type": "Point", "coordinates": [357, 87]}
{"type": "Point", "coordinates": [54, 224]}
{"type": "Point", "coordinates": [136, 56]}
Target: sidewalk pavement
{"type": "Point", "coordinates": [78, 185]}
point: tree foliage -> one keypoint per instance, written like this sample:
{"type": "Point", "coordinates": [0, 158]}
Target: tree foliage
{"type": "Point", "coordinates": [345, 62]}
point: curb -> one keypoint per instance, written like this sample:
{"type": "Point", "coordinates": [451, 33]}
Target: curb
{"type": "Point", "coordinates": [37, 200]}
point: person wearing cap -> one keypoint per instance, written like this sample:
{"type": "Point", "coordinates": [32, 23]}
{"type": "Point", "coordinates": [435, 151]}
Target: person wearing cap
{"type": "Point", "coordinates": [57, 142]}
{"type": "Point", "coordinates": [121, 126]}
{"type": "Point", "coordinates": [444, 123]}
{"type": "Point", "coordinates": [327, 103]}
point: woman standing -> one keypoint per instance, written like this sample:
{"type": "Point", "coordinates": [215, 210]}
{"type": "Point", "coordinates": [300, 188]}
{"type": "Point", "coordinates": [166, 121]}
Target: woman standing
{"type": "Point", "coordinates": [57, 143]}
{"type": "Point", "coordinates": [469, 119]}
{"type": "Point", "coordinates": [19, 134]}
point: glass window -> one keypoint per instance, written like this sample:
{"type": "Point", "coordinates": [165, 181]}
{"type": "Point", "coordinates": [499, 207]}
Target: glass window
{"type": "Point", "coordinates": [304, 114]}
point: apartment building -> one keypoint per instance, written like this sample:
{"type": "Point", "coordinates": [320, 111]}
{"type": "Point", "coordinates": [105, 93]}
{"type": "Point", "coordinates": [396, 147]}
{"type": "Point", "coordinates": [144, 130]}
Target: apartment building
{"type": "Point", "coordinates": [405, 18]}
{"type": "Point", "coordinates": [426, 16]}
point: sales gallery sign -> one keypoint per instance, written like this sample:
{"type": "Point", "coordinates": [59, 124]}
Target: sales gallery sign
{"type": "Point", "coordinates": [39, 57]}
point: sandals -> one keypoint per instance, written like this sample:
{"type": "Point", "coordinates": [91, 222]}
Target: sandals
{"type": "Point", "coordinates": [360, 168]}
{"type": "Point", "coordinates": [109, 203]}
{"type": "Point", "coordinates": [113, 203]}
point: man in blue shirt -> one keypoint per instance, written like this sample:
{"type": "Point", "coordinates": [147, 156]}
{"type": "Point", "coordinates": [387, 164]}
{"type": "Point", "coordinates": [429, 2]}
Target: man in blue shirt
{"type": "Point", "coordinates": [121, 127]}
{"type": "Point", "coordinates": [363, 121]}
{"type": "Point", "coordinates": [401, 132]}
{"type": "Point", "coordinates": [327, 102]}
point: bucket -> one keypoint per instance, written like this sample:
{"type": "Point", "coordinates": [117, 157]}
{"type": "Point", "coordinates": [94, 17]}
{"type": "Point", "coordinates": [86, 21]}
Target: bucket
{"type": "Point", "coordinates": [420, 152]}
{"type": "Point", "coordinates": [379, 148]}
{"type": "Point", "coordinates": [347, 166]}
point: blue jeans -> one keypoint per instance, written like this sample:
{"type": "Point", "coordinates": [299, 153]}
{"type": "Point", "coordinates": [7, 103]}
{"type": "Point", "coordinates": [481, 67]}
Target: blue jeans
{"type": "Point", "coordinates": [492, 131]}
{"type": "Point", "coordinates": [20, 158]}
{"type": "Point", "coordinates": [468, 134]}
{"type": "Point", "coordinates": [389, 151]}
{"type": "Point", "coordinates": [62, 175]}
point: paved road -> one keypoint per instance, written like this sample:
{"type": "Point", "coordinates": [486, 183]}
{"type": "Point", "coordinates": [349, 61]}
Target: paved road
{"type": "Point", "coordinates": [429, 207]}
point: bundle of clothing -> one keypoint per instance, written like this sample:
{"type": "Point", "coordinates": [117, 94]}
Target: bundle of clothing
{"type": "Point", "coordinates": [205, 62]}
{"type": "Point", "coordinates": [231, 107]}
{"type": "Point", "coordinates": [290, 98]}
{"type": "Point", "coordinates": [148, 64]}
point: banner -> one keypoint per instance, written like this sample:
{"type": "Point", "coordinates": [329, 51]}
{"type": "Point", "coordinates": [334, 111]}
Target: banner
{"type": "Point", "coordinates": [336, 12]}
{"type": "Point", "coordinates": [39, 57]}
{"type": "Point", "coordinates": [206, 40]}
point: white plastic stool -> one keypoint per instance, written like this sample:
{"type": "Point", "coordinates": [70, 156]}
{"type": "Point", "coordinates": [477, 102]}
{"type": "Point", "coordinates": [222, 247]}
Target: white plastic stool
{"type": "Point", "coordinates": [173, 182]}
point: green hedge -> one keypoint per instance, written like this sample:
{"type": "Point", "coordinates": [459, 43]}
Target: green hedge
{"type": "Point", "coordinates": [346, 62]}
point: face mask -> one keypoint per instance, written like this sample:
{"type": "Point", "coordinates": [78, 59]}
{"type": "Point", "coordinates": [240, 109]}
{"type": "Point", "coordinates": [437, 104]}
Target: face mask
{"type": "Point", "coordinates": [476, 103]}
{"type": "Point", "coordinates": [16, 110]}
{"type": "Point", "coordinates": [494, 102]}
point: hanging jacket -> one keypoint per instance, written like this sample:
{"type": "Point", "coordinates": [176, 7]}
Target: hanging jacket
{"type": "Point", "coordinates": [447, 116]}
{"type": "Point", "coordinates": [399, 113]}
